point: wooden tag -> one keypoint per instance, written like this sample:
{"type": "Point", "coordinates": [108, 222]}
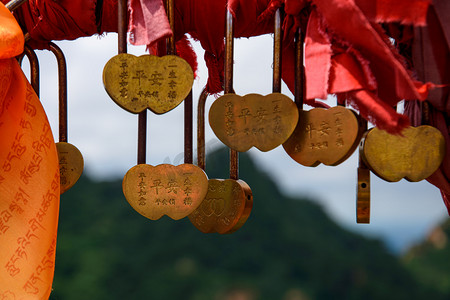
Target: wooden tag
{"type": "Point", "coordinates": [71, 165]}
{"type": "Point", "coordinates": [226, 207]}
{"type": "Point", "coordinates": [414, 156]}
{"type": "Point", "coordinates": [253, 120]}
{"type": "Point", "coordinates": [327, 136]}
{"type": "Point", "coordinates": [147, 81]}
{"type": "Point", "coordinates": [175, 191]}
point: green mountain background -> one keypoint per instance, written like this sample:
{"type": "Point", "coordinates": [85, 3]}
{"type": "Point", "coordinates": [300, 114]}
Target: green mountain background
{"type": "Point", "coordinates": [288, 249]}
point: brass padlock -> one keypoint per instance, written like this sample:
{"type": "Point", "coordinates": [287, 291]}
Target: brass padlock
{"type": "Point", "coordinates": [414, 155]}
{"type": "Point", "coordinates": [327, 136]}
{"type": "Point", "coordinates": [253, 120]}
{"type": "Point", "coordinates": [228, 202]}
{"type": "Point", "coordinates": [154, 191]}
{"type": "Point", "coordinates": [71, 161]}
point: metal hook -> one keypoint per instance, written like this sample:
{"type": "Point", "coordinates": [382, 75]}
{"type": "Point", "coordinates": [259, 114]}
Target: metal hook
{"type": "Point", "coordinates": [62, 90]}
{"type": "Point", "coordinates": [228, 84]}
{"type": "Point", "coordinates": [122, 47]}
{"type": "Point", "coordinates": [300, 80]}
{"type": "Point", "coordinates": [170, 42]}
{"type": "Point", "coordinates": [34, 67]}
{"type": "Point", "coordinates": [277, 45]}
{"type": "Point", "coordinates": [201, 129]}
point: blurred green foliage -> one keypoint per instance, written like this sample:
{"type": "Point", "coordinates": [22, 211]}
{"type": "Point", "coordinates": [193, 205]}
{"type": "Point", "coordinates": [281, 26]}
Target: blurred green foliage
{"type": "Point", "coordinates": [288, 249]}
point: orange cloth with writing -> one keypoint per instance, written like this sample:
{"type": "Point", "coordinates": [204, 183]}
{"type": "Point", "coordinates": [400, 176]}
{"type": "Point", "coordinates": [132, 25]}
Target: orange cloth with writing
{"type": "Point", "coordinates": [29, 178]}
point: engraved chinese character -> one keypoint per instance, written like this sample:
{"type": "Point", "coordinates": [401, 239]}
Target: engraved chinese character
{"type": "Point", "coordinates": [172, 84]}
{"type": "Point", "coordinates": [309, 129]}
{"type": "Point", "coordinates": [188, 190]}
{"type": "Point", "coordinates": [140, 74]}
{"type": "Point", "coordinates": [142, 201]}
{"type": "Point", "coordinates": [324, 128]}
{"type": "Point", "coordinates": [172, 95]}
{"type": "Point", "coordinates": [245, 112]}
{"type": "Point", "coordinates": [172, 73]}
{"type": "Point", "coordinates": [157, 184]}
{"type": "Point", "coordinates": [187, 201]}
{"type": "Point", "coordinates": [340, 142]}
{"type": "Point", "coordinates": [260, 114]}
{"type": "Point", "coordinates": [171, 186]}
{"type": "Point", "coordinates": [339, 131]}
{"type": "Point", "coordinates": [156, 78]}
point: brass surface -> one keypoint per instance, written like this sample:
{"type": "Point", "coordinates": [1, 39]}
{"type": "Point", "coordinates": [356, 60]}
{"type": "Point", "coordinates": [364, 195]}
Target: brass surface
{"type": "Point", "coordinates": [147, 81]}
{"type": "Point", "coordinates": [175, 191]}
{"type": "Point", "coordinates": [414, 156]}
{"type": "Point", "coordinates": [226, 207]}
{"type": "Point", "coordinates": [71, 165]}
{"type": "Point", "coordinates": [363, 196]}
{"type": "Point", "coordinates": [327, 136]}
{"type": "Point", "coordinates": [253, 120]}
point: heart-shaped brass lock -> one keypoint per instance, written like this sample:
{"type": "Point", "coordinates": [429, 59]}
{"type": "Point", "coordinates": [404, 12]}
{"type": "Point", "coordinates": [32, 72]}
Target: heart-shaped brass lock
{"type": "Point", "coordinates": [71, 165]}
{"type": "Point", "coordinates": [226, 207]}
{"type": "Point", "coordinates": [327, 136]}
{"type": "Point", "coordinates": [175, 191]}
{"type": "Point", "coordinates": [242, 122]}
{"type": "Point", "coordinates": [147, 81]}
{"type": "Point", "coordinates": [415, 155]}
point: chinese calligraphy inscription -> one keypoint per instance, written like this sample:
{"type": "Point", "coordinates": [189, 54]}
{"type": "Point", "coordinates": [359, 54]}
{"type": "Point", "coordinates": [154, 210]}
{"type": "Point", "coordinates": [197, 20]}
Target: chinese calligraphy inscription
{"type": "Point", "coordinates": [147, 81]}
{"type": "Point", "coordinates": [327, 136]}
{"type": "Point", "coordinates": [170, 190]}
{"type": "Point", "coordinates": [242, 122]}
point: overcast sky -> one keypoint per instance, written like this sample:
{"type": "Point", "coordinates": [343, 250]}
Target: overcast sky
{"type": "Point", "coordinates": [401, 213]}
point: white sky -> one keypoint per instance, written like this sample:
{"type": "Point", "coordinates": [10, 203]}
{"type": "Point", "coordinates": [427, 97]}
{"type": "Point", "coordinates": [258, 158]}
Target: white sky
{"type": "Point", "coordinates": [401, 213]}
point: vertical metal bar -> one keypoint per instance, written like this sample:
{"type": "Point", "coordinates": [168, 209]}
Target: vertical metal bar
{"type": "Point", "coordinates": [122, 10]}
{"type": "Point", "coordinates": [170, 11]}
{"type": "Point", "coordinates": [300, 80]}
{"type": "Point", "coordinates": [363, 188]}
{"type": "Point", "coordinates": [276, 84]}
{"type": "Point", "coordinates": [229, 49]}
{"type": "Point", "coordinates": [228, 84]}
{"type": "Point", "coordinates": [34, 68]}
{"type": "Point", "coordinates": [14, 4]}
{"type": "Point", "coordinates": [142, 137]}
{"type": "Point", "coordinates": [62, 91]}
{"type": "Point", "coordinates": [201, 160]}
{"type": "Point", "coordinates": [188, 129]}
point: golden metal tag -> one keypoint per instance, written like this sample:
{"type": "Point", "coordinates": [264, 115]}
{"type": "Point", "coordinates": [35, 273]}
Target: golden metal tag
{"type": "Point", "coordinates": [253, 120]}
{"type": "Point", "coordinates": [71, 165]}
{"type": "Point", "coordinates": [414, 156]}
{"type": "Point", "coordinates": [226, 207]}
{"type": "Point", "coordinates": [147, 81]}
{"type": "Point", "coordinates": [175, 191]}
{"type": "Point", "coordinates": [327, 136]}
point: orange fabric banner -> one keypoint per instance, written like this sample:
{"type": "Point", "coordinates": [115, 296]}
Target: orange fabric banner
{"type": "Point", "coordinates": [29, 186]}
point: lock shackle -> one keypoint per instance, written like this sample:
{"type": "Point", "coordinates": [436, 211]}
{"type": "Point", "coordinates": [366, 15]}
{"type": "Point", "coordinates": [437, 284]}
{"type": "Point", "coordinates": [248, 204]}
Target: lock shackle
{"type": "Point", "coordinates": [228, 84]}
{"type": "Point", "coordinates": [201, 157]}
{"type": "Point", "coordinates": [170, 41]}
{"type": "Point", "coordinates": [34, 67]}
{"type": "Point", "coordinates": [122, 18]}
{"type": "Point", "coordinates": [62, 90]}
{"type": "Point", "coordinates": [300, 79]}
{"type": "Point", "coordinates": [277, 46]}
